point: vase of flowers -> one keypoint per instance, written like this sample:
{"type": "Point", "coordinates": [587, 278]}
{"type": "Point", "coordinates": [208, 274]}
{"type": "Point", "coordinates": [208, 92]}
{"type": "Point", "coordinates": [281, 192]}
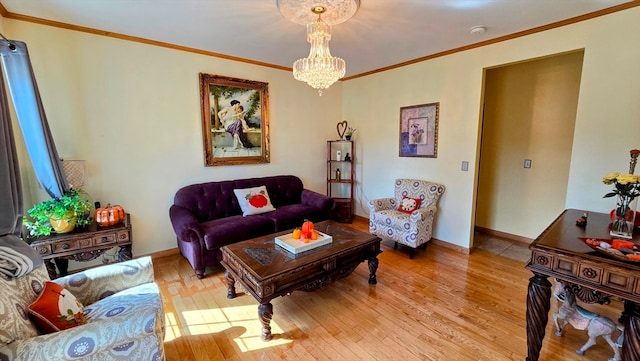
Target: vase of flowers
{"type": "Point", "coordinates": [626, 189]}
{"type": "Point", "coordinates": [349, 133]}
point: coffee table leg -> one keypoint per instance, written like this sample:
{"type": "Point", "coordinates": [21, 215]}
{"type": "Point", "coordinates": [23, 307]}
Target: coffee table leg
{"type": "Point", "coordinates": [373, 267]}
{"type": "Point", "coordinates": [265, 313]}
{"type": "Point", "coordinates": [231, 285]}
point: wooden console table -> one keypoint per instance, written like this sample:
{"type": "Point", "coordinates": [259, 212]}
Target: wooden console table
{"type": "Point", "coordinates": [591, 276]}
{"type": "Point", "coordinates": [82, 244]}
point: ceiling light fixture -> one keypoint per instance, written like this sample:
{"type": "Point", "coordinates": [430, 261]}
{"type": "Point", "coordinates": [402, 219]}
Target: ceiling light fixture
{"type": "Point", "coordinates": [320, 70]}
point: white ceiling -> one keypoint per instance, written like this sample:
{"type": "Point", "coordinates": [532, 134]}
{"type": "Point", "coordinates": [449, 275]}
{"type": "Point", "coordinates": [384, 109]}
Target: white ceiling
{"type": "Point", "coordinates": [382, 33]}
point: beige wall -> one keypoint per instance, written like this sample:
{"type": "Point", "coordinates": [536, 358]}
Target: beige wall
{"type": "Point", "coordinates": [607, 121]}
{"type": "Point", "coordinates": [132, 111]}
{"type": "Point", "coordinates": [529, 113]}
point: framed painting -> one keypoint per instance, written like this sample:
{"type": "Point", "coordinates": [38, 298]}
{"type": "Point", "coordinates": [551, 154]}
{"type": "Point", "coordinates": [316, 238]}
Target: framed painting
{"type": "Point", "coordinates": [419, 130]}
{"type": "Point", "coordinates": [235, 123]}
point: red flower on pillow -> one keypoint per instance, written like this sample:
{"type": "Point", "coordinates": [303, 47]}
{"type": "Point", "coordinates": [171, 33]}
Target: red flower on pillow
{"type": "Point", "coordinates": [257, 200]}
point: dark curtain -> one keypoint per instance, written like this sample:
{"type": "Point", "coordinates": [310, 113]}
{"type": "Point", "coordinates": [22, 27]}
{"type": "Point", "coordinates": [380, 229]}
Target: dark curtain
{"type": "Point", "coordinates": [17, 258]}
{"type": "Point", "coordinates": [31, 116]}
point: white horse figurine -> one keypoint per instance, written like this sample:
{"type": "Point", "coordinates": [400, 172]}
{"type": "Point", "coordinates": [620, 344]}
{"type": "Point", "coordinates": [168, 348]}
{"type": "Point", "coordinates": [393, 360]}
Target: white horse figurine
{"type": "Point", "coordinates": [581, 319]}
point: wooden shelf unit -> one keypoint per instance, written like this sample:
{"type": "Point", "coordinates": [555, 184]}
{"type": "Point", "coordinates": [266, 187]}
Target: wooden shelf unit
{"type": "Point", "coordinates": [341, 190]}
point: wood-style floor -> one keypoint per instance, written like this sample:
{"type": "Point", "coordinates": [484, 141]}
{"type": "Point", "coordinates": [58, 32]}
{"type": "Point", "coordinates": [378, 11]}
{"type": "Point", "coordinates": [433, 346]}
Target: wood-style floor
{"type": "Point", "coordinates": [442, 305]}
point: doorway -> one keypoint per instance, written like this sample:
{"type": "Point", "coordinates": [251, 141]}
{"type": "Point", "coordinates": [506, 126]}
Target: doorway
{"type": "Point", "coordinates": [526, 140]}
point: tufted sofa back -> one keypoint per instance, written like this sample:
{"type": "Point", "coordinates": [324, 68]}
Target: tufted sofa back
{"type": "Point", "coordinates": [214, 200]}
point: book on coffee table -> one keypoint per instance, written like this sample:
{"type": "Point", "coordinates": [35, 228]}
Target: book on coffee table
{"type": "Point", "coordinates": [296, 246]}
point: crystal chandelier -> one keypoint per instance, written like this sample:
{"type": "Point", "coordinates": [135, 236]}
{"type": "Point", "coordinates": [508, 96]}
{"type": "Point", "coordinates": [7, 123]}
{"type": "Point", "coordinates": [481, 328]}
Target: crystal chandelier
{"type": "Point", "coordinates": [320, 70]}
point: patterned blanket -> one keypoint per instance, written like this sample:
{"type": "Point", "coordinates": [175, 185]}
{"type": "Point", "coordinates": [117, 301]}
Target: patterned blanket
{"type": "Point", "coordinates": [17, 258]}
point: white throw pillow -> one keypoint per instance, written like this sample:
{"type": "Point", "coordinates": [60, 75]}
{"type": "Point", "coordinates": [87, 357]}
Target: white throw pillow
{"type": "Point", "coordinates": [254, 200]}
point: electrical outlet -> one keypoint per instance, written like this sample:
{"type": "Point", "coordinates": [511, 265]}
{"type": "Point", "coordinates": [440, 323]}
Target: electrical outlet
{"type": "Point", "coordinates": [465, 165]}
{"type": "Point", "coordinates": [527, 163]}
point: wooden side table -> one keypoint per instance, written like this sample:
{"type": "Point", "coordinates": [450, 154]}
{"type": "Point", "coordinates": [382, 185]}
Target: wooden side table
{"type": "Point", "coordinates": [591, 276]}
{"type": "Point", "coordinates": [83, 244]}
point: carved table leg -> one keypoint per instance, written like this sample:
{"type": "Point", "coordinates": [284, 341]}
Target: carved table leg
{"type": "Point", "coordinates": [231, 285]}
{"type": "Point", "coordinates": [265, 313]}
{"type": "Point", "coordinates": [631, 320]}
{"type": "Point", "coordinates": [538, 305]}
{"type": "Point", "coordinates": [51, 268]}
{"type": "Point", "coordinates": [124, 254]}
{"type": "Point", "coordinates": [373, 267]}
{"type": "Point", "coordinates": [63, 266]}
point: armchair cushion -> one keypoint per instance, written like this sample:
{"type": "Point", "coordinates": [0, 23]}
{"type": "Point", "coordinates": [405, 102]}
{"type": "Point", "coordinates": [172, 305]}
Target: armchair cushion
{"type": "Point", "coordinates": [17, 294]}
{"type": "Point", "coordinates": [124, 318]}
{"type": "Point", "coordinates": [56, 309]}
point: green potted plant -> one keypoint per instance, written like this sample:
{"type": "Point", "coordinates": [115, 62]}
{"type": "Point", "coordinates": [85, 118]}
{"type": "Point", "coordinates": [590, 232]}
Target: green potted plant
{"type": "Point", "coordinates": [349, 133]}
{"type": "Point", "coordinates": [59, 214]}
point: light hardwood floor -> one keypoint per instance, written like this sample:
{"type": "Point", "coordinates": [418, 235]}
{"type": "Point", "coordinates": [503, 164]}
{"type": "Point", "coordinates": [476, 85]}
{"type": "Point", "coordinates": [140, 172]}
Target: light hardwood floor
{"type": "Point", "coordinates": [441, 305]}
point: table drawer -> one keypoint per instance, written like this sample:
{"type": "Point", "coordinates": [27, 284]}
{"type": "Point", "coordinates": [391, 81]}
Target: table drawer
{"type": "Point", "coordinates": [70, 245]}
{"type": "Point", "coordinates": [123, 236]}
{"type": "Point", "coordinates": [104, 239]}
{"type": "Point", "coordinates": [43, 250]}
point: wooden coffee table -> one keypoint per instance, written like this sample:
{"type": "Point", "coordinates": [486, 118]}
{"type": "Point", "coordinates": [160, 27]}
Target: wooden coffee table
{"type": "Point", "coordinates": [267, 270]}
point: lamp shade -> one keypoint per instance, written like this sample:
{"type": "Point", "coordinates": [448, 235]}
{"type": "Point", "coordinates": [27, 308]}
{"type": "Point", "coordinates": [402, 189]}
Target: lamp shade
{"type": "Point", "coordinates": [76, 172]}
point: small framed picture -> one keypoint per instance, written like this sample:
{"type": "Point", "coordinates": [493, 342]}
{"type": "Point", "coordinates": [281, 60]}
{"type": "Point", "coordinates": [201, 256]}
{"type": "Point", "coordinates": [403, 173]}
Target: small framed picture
{"type": "Point", "coordinates": [419, 130]}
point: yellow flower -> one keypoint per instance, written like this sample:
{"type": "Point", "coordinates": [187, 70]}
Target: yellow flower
{"type": "Point", "coordinates": [627, 179]}
{"type": "Point", "coordinates": [610, 178]}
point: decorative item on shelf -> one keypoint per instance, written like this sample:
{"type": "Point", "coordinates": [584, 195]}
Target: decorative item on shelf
{"type": "Point", "coordinates": [342, 128]}
{"type": "Point", "coordinates": [349, 133]}
{"type": "Point", "coordinates": [61, 215]}
{"type": "Point", "coordinates": [338, 175]}
{"type": "Point", "coordinates": [110, 215]}
{"type": "Point", "coordinates": [347, 158]}
{"type": "Point", "coordinates": [338, 155]}
{"type": "Point", "coordinates": [626, 188]}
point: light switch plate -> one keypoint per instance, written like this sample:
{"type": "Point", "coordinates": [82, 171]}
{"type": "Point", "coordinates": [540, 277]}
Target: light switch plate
{"type": "Point", "coordinates": [527, 163]}
{"type": "Point", "coordinates": [465, 165]}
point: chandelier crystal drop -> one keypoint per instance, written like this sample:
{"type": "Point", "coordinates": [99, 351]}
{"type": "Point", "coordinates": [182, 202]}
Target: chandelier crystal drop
{"type": "Point", "coordinates": [320, 70]}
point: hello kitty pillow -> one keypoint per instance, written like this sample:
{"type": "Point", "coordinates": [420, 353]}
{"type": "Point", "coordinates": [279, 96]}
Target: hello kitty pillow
{"type": "Point", "coordinates": [408, 205]}
{"type": "Point", "coordinates": [254, 200]}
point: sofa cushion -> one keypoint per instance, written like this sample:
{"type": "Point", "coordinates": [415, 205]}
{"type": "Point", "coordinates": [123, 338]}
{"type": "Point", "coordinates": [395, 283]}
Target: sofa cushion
{"type": "Point", "coordinates": [56, 309]}
{"type": "Point", "coordinates": [292, 216]}
{"type": "Point", "coordinates": [283, 189]}
{"type": "Point", "coordinates": [220, 232]}
{"type": "Point", "coordinates": [254, 200]}
{"type": "Point", "coordinates": [17, 294]}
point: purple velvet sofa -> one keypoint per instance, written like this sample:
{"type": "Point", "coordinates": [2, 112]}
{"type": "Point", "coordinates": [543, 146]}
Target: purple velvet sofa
{"type": "Point", "coordinates": [207, 216]}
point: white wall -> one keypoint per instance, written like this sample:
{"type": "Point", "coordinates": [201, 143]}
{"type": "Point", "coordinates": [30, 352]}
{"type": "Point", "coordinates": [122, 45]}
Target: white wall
{"type": "Point", "coordinates": [607, 124]}
{"type": "Point", "coordinates": [133, 112]}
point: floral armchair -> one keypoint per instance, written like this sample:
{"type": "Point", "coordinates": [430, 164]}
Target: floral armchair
{"type": "Point", "coordinates": [124, 318]}
{"type": "Point", "coordinates": [407, 218]}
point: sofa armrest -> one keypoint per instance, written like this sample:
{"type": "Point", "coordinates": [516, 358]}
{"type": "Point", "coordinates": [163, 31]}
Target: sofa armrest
{"type": "Point", "coordinates": [93, 340]}
{"type": "Point", "coordinates": [424, 214]}
{"type": "Point", "coordinates": [185, 224]}
{"type": "Point", "coordinates": [316, 199]}
{"type": "Point", "coordinates": [380, 204]}
{"type": "Point", "coordinates": [97, 283]}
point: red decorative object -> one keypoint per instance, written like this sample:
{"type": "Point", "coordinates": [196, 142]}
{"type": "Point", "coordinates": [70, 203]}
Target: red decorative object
{"type": "Point", "coordinates": [307, 229]}
{"type": "Point", "coordinates": [109, 215]}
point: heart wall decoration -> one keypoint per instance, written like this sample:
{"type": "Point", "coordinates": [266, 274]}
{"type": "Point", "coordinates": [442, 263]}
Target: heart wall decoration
{"type": "Point", "coordinates": [342, 128]}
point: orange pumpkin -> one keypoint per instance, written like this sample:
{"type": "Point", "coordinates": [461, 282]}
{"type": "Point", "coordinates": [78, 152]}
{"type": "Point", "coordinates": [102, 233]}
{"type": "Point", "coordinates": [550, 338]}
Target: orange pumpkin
{"type": "Point", "coordinates": [109, 215]}
{"type": "Point", "coordinates": [307, 228]}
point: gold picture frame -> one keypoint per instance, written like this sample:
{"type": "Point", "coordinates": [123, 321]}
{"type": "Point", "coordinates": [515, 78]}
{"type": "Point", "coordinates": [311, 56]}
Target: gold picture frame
{"type": "Point", "coordinates": [235, 120]}
{"type": "Point", "coordinates": [419, 130]}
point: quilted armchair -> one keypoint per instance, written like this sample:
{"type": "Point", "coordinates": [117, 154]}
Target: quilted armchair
{"type": "Point", "coordinates": [123, 313]}
{"type": "Point", "coordinates": [407, 218]}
